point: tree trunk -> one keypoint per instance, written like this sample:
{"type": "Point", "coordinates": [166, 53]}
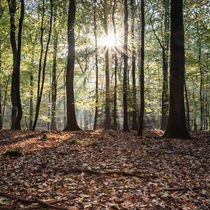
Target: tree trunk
{"type": "Point", "coordinates": [31, 106]}
{"type": "Point", "coordinates": [165, 48]}
{"type": "Point", "coordinates": [141, 116]}
{"type": "Point", "coordinates": [96, 64]}
{"type": "Point", "coordinates": [1, 120]}
{"type": "Point", "coordinates": [71, 116]}
{"type": "Point", "coordinates": [54, 80]}
{"type": "Point", "coordinates": [107, 102]}
{"type": "Point", "coordinates": [201, 86]}
{"type": "Point", "coordinates": [115, 67]}
{"type": "Point", "coordinates": [31, 100]}
{"type": "Point", "coordinates": [125, 58]}
{"type": "Point", "coordinates": [187, 106]}
{"type": "Point", "coordinates": [16, 51]}
{"type": "Point", "coordinates": [42, 70]}
{"type": "Point", "coordinates": [176, 127]}
{"type": "Point", "coordinates": [134, 114]}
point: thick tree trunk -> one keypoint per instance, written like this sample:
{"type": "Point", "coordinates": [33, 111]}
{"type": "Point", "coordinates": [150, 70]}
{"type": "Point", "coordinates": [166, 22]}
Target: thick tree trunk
{"type": "Point", "coordinates": [71, 116]}
{"type": "Point", "coordinates": [96, 64]}
{"type": "Point", "coordinates": [176, 127]}
{"type": "Point", "coordinates": [42, 80]}
{"type": "Point", "coordinates": [141, 116]}
{"type": "Point", "coordinates": [115, 67]}
{"type": "Point", "coordinates": [134, 112]}
{"type": "Point", "coordinates": [54, 80]}
{"type": "Point", "coordinates": [16, 50]}
{"type": "Point", "coordinates": [125, 58]}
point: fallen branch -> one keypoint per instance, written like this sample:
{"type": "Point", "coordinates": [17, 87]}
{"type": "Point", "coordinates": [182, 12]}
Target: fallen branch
{"type": "Point", "coordinates": [171, 153]}
{"type": "Point", "coordinates": [31, 201]}
{"type": "Point", "coordinates": [185, 189]}
{"type": "Point", "coordinates": [120, 173]}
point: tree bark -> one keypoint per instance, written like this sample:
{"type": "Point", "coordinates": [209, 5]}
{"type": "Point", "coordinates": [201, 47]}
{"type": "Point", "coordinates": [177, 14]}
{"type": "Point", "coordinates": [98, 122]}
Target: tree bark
{"type": "Point", "coordinates": [42, 69]}
{"type": "Point", "coordinates": [16, 51]}
{"type": "Point", "coordinates": [71, 116]}
{"type": "Point", "coordinates": [107, 125]}
{"type": "Point", "coordinates": [31, 100]}
{"type": "Point", "coordinates": [115, 67]}
{"type": "Point", "coordinates": [165, 48]}
{"type": "Point", "coordinates": [176, 126]}
{"type": "Point", "coordinates": [125, 59]}
{"type": "Point", "coordinates": [1, 120]}
{"type": "Point", "coordinates": [141, 116]}
{"type": "Point", "coordinates": [201, 86]}
{"type": "Point", "coordinates": [187, 106]}
{"type": "Point", "coordinates": [96, 65]}
{"type": "Point", "coordinates": [54, 78]}
{"type": "Point", "coordinates": [134, 112]}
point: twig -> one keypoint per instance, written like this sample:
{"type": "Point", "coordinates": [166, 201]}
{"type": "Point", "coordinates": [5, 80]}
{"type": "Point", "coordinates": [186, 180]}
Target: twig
{"type": "Point", "coordinates": [120, 173]}
{"type": "Point", "coordinates": [30, 201]}
{"type": "Point", "coordinates": [172, 153]}
{"type": "Point", "coordinates": [185, 189]}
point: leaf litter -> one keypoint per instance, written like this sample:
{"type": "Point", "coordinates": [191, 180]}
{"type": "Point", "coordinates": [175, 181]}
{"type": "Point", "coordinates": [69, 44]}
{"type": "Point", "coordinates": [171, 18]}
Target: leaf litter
{"type": "Point", "coordinates": [104, 170]}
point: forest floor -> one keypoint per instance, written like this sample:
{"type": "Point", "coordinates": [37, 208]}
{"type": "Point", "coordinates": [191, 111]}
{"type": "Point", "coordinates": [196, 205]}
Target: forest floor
{"type": "Point", "coordinates": [104, 170]}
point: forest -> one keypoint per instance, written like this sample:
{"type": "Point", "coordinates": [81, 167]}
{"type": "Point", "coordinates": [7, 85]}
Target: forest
{"type": "Point", "coordinates": [104, 104]}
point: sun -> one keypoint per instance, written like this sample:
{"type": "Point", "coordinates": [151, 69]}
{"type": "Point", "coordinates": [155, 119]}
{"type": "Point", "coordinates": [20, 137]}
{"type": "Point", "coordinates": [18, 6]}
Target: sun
{"type": "Point", "coordinates": [108, 41]}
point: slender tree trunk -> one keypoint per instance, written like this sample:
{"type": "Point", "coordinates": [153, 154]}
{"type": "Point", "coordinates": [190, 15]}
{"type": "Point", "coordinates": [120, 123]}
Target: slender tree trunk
{"type": "Point", "coordinates": [16, 50]}
{"type": "Point", "coordinates": [176, 127]}
{"type": "Point", "coordinates": [141, 116]}
{"type": "Point", "coordinates": [64, 99]}
{"type": "Point", "coordinates": [125, 58]}
{"type": "Point", "coordinates": [96, 64]}
{"type": "Point", "coordinates": [71, 116]}
{"type": "Point", "coordinates": [31, 106]}
{"type": "Point", "coordinates": [1, 120]}
{"type": "Point", "coordinates": [107, 102]}
{"type": "Point", "coordinates": [195, 108]}
{"type": "Point", "coordinates": [54, 80]}
{"type": "Point", "coordinates": [42, 69]}
{"type": "Point", "coordinates": [134, 114]}
{"type": "Point", "coordinates": [187, 106]}
{"type": "Point", "coordinates": [201, 85]}
{"type": "Point", "coordinates": [115, 66]}
{"type": "Point", "coordinates": [31, 100]}
{"type": "Point", "coordinates": [165, 48]}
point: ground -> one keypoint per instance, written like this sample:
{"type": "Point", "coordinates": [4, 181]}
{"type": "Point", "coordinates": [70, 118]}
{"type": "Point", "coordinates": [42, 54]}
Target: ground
{"type": "Point", "coordinates": [104, 170]}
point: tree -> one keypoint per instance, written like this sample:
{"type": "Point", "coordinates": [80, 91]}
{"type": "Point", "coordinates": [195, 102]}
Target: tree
{"type": "Point", "coordinates": [141, 116]}
{"type": "Point", "coordinates": [164, 44]}
{"type": "Point", "coordinates": [71, 116]}
{"type": "Point", "coordinates": [134, 122]}
{"type": "Point", "coordinates": [41, 80]}
{"type": "Point", "coordinates": [125, 59]}
{"type": "Point", "coordinates": [54, 74]}
{"type": "Point", "coordinates": [115, 67]}
{"type": "Point", "coordinates": [107, 103]}
{"type": "Point", "coordinates": [176, 126]}
{"type": "Point", "coordinates": [96, 65]}
{"type": "Point", "coordinates": [1, 120]}
{"type": "Point", "coordinates": [16, 51]}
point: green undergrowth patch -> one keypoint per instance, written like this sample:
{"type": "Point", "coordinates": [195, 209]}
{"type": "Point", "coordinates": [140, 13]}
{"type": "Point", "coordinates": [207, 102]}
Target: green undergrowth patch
{"type": "Point", "coordinates": [71, 140]}
{"type": "Point", "coordinates": [12, 152]}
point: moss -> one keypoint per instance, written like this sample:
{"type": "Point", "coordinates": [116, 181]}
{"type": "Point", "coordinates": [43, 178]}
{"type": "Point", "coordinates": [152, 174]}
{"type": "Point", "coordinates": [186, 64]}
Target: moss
{"type": "Point", "coordinates": [93, 144]}
{"type": "Point", "coordinates": [71, 141]}
{"type": "Point", "coordinates": [12, 152]}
